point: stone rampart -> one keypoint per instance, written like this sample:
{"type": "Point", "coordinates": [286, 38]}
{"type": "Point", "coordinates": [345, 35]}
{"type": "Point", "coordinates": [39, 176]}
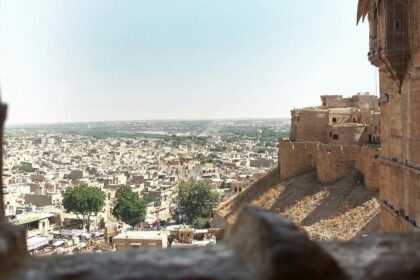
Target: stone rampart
{"type": "Point", "coordinates": [332, 162]}
{"type": "Point", "coordinates": [368, 164]}
{"type": "Point", "coordinates": [296, 158]}
{"type": "Point", "coordinates": [309, 125]}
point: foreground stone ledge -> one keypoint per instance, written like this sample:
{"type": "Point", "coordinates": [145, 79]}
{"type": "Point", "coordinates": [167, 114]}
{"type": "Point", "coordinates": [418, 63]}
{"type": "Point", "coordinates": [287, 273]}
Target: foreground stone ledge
{"type": "Point", "coordinates": [216, 262]}
{"type": "Point", "coordinates": [259, 246]}
{"type": "Point", "coordinates": [275, 249]}
{"type": "Point", "coordinates": [387, 256]}
{"type": "Point", "coordinates": [12, 248]}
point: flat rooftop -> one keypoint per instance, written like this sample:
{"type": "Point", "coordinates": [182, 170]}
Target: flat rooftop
{"type": "Point", "coordinates": [151, 235]}
{"type": "Point", "coordinates": [32, 217]}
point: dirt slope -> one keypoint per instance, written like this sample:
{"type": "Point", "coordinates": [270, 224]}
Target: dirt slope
{"type": "Point", "coordinates": [339, 211]}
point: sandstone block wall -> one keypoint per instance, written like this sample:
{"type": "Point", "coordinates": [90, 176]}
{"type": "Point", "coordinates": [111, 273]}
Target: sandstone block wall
{"type": "Point", "coordinates": [389, 220]}
{"type": "Point", "coordinates": [335, 162]}
{"type": "Point", "coordinates": [395, 50]}
{"type": "Point", "coordinates": [309, 126]}
{"type": "Point", "coordinates": [296, 158]}
{"type": "Point", "coordinates": [368, 164]}
{"type": "Point", "coordinates": [348, 135]}
{"type": "Point", "coordinates": [362, 101]}
{"type": "Point", "coordinates": [365, 102]}
{"type": "Point", "coordinates": [332, 101]}
{"type": "Point", "coordinates": [341, 115]}
{"type": "Point", "coordinates": [332, 162]}
{"type": "Point", "coordinates": [412, 110]}
{"type": "Point", "coordinates": [399, 188]}
{"type": "Point", "coordinates": [392, 187]}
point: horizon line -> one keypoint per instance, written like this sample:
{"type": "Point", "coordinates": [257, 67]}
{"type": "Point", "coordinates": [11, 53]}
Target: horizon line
{"type": "Point", "coordinates": [142, 120]}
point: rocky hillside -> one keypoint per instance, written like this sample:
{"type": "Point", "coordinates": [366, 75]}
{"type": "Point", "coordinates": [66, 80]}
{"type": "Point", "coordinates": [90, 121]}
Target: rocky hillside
{"type": "Point", "coordinates": [340, 211]}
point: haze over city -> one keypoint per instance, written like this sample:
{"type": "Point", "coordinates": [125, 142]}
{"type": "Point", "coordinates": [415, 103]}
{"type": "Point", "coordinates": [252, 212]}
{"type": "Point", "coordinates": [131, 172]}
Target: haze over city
{"type": "Point", "coordinates": [102, 60]}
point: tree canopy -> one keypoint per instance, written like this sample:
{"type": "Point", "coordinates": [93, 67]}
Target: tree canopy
{"type": "Point", "coordinates": [196, 199]}
{"type": "Point", "coordinates": [128, 206]}
{"type": "Point", "coordinates": [84, 201]}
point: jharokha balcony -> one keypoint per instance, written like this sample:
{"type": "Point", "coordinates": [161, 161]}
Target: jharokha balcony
{"type": "Point", "coordinates": [376, 53]}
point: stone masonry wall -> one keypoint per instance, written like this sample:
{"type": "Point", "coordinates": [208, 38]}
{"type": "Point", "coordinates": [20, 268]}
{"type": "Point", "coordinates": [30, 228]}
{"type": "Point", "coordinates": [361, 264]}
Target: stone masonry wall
{"type": "Point", "coordinates": [296, 158]}
{"type": "Point", "coordinates": [348, 135]}
{"type": "Point", "coordinates": [335, 162]}
{"type": "Point", "coordinates": [332, 162]}
{"type": "Point", "coordinates": [309, 126]}
{"type": "Point", "coordinates": [368, 164]}
{"type": "Point", "coordinates": [396, 52]}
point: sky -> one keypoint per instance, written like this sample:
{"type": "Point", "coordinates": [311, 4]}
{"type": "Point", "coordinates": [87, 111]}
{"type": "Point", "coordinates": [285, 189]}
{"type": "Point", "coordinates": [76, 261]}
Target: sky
{"type": "Point", "coordinates": [105, 60]}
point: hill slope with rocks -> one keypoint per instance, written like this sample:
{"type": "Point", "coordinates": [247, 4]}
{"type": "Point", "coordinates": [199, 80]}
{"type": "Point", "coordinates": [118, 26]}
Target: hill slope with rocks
{"type": "Point", "coordinates": [339, 211]}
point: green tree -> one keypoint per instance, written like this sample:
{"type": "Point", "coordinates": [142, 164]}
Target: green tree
{"type": "Point", "coordinates": [197, 199]}
{"type": "Point", "coordinates": [149, 198]}
{"type": "Point", "coordinates": [218, 148]}
{"type": "Point", "coordinates": [207, 159]}
{"type": "Point", "coordinates": [200, 223]}
{"type": "Point", "coordinates": [261, 150]}
{"type": "Point", "coordinates": [129, 207]}
{"type": "Point", "coordinates": [84, 201]}
{"type": "Point", "coordinates": [26, 168]}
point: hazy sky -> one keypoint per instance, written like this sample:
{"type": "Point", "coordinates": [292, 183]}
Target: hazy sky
{"type": "Point", "coordinates": [85, 60]}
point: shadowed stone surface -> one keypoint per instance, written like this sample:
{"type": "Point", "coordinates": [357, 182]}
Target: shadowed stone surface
{"type": "Point", "coordinates": [277, 250]}
{"type": "Point", "coordinates": [388, 256]}
{"type": "Point", "coordinates": [216, 262]}
{"type": "Point", "coordinates": [12, 248]}
{"type": "Point", "coordinates": [259, 246]}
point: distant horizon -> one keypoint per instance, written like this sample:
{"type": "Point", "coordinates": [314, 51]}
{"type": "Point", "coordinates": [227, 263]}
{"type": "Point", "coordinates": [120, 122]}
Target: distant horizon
{"type": "Point", "coordinates": [12, 125]}
{"type": "Point", "coordinates": [75, 61]}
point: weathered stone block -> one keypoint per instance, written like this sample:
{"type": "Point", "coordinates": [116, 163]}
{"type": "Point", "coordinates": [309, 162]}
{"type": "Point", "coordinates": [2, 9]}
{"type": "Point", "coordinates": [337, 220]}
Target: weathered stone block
{"type": "Point", "coordinates": [275, 249]}
{"type": "Point", "coordinates": [12, 248]}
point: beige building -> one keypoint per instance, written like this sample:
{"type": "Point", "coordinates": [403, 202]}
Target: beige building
{"type": "Point", "coordinates": [140, 239]}
{"type": "Point", "coordinates": [37, 224]}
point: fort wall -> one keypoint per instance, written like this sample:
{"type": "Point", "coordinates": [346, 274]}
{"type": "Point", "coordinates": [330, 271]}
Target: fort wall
{"type": "Point", "coordinates": [296, 158]}
{"type": "Point", "coordinates": [309, 126]}
{"type": "Point", "coordinates": [389, 220]}
{"type": "Point", "coordinates": [362, 101]}
{"type": "Point", "coordinates": [332, 162]}
{"type": "Point", "coordinates": [368, 164]}
{"type": "Point", "coordinates": [348, 134]}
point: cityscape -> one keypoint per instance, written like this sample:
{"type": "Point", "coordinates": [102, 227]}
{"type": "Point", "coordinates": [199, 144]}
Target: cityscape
{"type": "Point", "coordinates": [151, 157]}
